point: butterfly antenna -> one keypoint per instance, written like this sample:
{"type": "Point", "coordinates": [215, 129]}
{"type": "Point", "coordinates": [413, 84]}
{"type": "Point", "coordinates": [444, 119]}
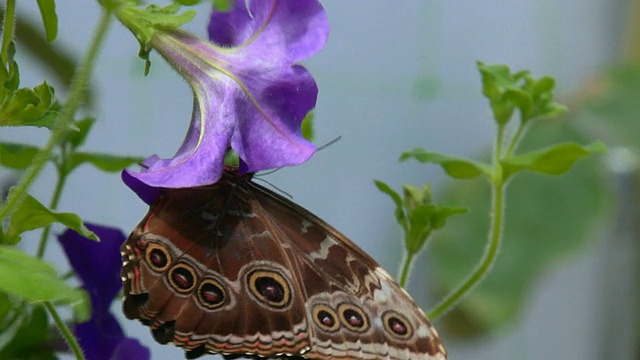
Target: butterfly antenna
{"type": "Point", "coordinates": [320, 148]}
{"type": "Point", "coordinates": [273, 186]}
{"type": "Point", "coordinates": [330, 142]}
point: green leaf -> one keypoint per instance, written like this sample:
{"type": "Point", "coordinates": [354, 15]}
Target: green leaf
{"type": "Point", "coordinates": [455, 167]}
{"type": "Point", "coordinates": [187, 2]}
{"type": "Point", "coordinates": [548, 221]}
{"type": "Point", "coordinates": [222, 5]}
{"type": "Point", "coordinates": [17, 156]}
{"type": "Point", "coordinates": [10, 76]}
{"type": "Point", "coordinates": [104, 162]}
{"type": "Point", "coordinates": [35, 280]}
{"type": "Point", "coordinates": [521, 99]}
{"type": "Point", "coordinates": [76, 137]}
{"type": "Point", "coordinates": [443, 213]}
{"type": "Point", "coordinates": [29, 107]}
{"type": "Point", "coordinates": [31, 215]}
{"type": "Point", "coordinates": [554, 160]}
{"type": "Point", "coordinates": [28, 338]}
{"type": "Point", "coordinates": [5, 307]}
{"type": "Point", "coordinates": [307, 126]}
{"type": "Point", "coordinates": [399, 212]}
{"type": "Point", "coordinates": [544, 85]}
{"type": "Point", "coordinates": [49, 18]}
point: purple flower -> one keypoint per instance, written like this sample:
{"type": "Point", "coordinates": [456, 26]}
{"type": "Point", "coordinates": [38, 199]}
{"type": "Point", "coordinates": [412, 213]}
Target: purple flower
{"type": "Point", "coordinates": [97, 264]}
{"type": "Point", "coordinates": [249, 94]}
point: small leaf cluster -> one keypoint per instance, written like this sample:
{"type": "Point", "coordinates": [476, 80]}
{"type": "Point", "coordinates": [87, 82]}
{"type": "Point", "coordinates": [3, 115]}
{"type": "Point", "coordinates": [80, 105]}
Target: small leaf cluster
{"type": "Point", "coordinates": [417, 214]}
{"type": "Point", "coordinates": [509, 93]}
{"type": "Point", "coordinates": [533, 100]}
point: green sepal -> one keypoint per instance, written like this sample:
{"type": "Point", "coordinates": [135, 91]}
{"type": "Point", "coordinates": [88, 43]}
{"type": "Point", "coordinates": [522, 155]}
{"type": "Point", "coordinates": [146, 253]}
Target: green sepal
{"type": "Point", "coordinates": [456, 167]}
{"type": "Point", "coordinates": [17, 156]}
{"type": "Point", "coordinates": [49, 18]}
{"type": "Point", "coordinates": [424, 216]}
{"type": "Point", "coordinates": [104, 162]}
{"type": "Point", "coordinates": [143, 23]}
{"type": "Point", "coordinates": [31, 215]}
{"type": "Point", "coordinates": [554, 160]}
{"type": "Point", "coordinates": [35, 280]}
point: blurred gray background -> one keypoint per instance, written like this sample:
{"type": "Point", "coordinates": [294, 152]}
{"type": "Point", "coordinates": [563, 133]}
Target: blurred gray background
{"type": "Point", "coordinates": [394, 75]}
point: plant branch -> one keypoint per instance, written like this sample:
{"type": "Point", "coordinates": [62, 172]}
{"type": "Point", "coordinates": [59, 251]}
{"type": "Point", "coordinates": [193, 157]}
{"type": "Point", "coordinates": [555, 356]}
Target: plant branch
{"type": "Point", "coordinates": [63, 121]}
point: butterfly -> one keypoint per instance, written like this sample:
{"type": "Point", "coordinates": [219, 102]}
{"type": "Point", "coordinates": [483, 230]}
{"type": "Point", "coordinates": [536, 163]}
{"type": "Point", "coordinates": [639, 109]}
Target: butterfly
{"type": "Point", "coordinates": [236, 269]}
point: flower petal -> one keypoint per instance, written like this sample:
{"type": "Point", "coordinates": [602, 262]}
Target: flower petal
{"type": "Point", "coordinates": [292, 30]}
{"type": "Point", "coordinates": [251, 98]}
{"type": "Point", "coordinates": [96, 263]}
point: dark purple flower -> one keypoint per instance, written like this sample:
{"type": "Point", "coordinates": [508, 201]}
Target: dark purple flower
{"type": "Point", "coordinates": [249, 94]}
{"type": "Point", "coordinates": [97, 265]}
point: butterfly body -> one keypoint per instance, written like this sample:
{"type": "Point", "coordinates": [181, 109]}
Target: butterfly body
{"type": "Point", "coordinates": [236, 269]}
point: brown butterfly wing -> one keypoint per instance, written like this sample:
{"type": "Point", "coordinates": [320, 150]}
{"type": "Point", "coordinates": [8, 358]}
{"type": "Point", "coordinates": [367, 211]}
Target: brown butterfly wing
{"type": "Point", "coordinates": [234, 268]}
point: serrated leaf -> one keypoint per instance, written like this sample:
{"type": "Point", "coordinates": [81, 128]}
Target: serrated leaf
{"type": "Point", "coordinates": [31, 215]}
{"type": "Point", "coordinates": [49, 18]}
{"type": "Point", "coordinates": [454, 166]}
{"type": "Point", "coordinates": [554, 160]}
{"type": "Point", "coordinates": [29, 107]}
{"type": "Point", "coordinates": [36, 280]}
{"type": "Point", "coordinates": [77, 137]}
{"type": "Point", "coordinates": [17, 156]}
{"type": "Point", "coordinates": [104, 162]}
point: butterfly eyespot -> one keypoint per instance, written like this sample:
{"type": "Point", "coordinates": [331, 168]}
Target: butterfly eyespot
{"type": "Point", "coordinates": [211, 293]}
{"type": "Point", "coordinates": [157, 257]}
{"type": "Point", "coordinates": [353, 318]}
{"type": "Point", "coordinates": [182, 278]}
{"type": "Point", "coordinates": [397, 325]}
{"type": "Point", "coordinates": [325, 318]}
{"type": "Point", "coordinates": [270, 288]}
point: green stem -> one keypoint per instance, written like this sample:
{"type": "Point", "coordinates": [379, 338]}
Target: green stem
{"type": "Point", "coordinates": [494, 239]}
{"type": "Point", "coordinates": [62, 178]}
{"type": "Point", "coordinates": [485, 264]}
{"type": "Point", "coordinates": [404, 273]}
{"type": "Point", "coordinates": [515, 140]}
{"type": "Point", "coordinates": [64, 329]}
{"type": "Point", "coordinates": [64, 120]}
{"type": "Point", "coordinates": [7, 29]}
